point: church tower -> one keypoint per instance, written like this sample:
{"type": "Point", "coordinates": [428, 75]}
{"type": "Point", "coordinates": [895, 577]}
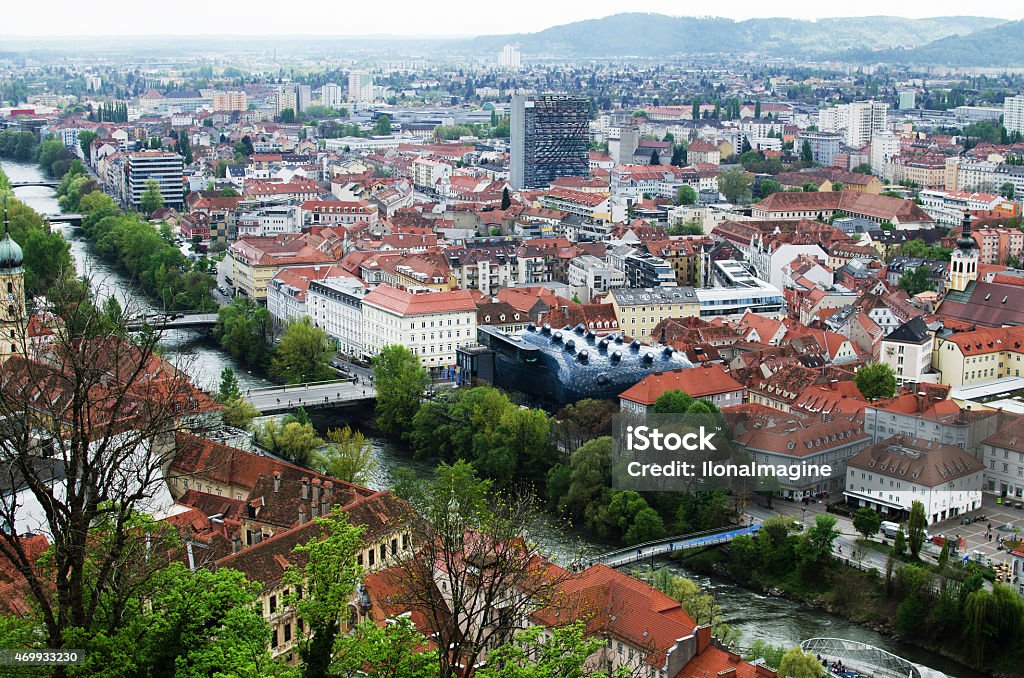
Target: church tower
{"type": "Point", "coordinates": [963, 265]}
{"type": "Point", "coordinates": [12, 293]}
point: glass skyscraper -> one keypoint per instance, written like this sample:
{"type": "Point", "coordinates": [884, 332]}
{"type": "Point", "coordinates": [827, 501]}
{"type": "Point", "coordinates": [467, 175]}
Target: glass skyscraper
{"type": "Point", "coordinates": [550, 139]}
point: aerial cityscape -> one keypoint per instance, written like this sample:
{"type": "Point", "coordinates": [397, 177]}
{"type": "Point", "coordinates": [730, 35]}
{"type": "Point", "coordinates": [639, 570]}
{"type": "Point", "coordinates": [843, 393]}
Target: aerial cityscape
{"type": "Point", "coordinates": [569, 343]}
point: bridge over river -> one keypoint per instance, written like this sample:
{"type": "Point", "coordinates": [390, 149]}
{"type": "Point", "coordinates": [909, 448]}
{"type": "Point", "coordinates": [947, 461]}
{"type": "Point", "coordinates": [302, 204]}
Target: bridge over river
{"type": "Point", "coordinates": [315, 394]}
{"type": "Point", "coordinates": [683, 542]}
{"type": "Point", "coordinates": [178, 321]}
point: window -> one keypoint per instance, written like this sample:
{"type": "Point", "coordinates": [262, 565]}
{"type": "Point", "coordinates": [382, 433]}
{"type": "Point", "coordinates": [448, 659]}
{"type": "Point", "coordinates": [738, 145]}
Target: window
{"type": "Point", "coordinates": [287, 632]}
{"type": "Point", "coordinates": [273, 604]}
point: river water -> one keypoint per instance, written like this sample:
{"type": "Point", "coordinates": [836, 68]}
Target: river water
{"type": "Point", "coordinates": [755, 616]}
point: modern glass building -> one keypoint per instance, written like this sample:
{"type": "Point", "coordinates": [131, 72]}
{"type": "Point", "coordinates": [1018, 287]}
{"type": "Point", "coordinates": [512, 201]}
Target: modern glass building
{"type": "Point", "coordinates": [559, 366]}
{"type": "Point", "coordinates": [550, 137]}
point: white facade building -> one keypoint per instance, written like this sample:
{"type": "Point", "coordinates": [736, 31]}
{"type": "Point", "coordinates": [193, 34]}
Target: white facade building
{"type": "Point", "coordinates": [884, 146]}
{"type": "Point", "coordinates": [430, 324]}
{"type": "Point", "coordinates": [336, 306]}
{"type": "Point", "coordinates": [509, 58]}
{"type": "Point", "coordinates": [1013, 114]}
{"type": "Point", "coordinates": [889, 476]}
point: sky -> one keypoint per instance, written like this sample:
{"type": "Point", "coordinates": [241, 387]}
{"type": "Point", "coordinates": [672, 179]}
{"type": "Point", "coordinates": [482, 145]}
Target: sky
{"type": "Point", "coordinates": [412, 17]}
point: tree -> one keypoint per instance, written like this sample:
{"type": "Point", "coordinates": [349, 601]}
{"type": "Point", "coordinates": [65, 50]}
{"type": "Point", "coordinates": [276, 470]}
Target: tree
{"type": "Point", "coordinates": [474, 550]}
{"type": "Point", "coordinates": [655, 158]}
{"type": "Point", "coordinates": [815, 547]}
{"type": "Point", "coordinates": [636, 520]}
{"type": "Point", "coordinates": [685, 195]}
{"type": "Point", "coordinates": [348, 456]}
{"type": "Point", "coordinates": [532, 655]}
{"type": "Point", "coordinates": [293, 441]}
{"type": "Point", "coordinates": [184, 147]}
{"type": "Point", "coordinates": [325, 570]}
{"type": "Point", "coordinates": [917, 281]}
{"type": "Point", "coordinates": [837, 186]}
{"type": "Point", "coordinates": [761, 649]}
{"type": "Point", "coordinates": [1007, 190]}
{"type": "Point", "coordinates": [806, 153]}
{"type": "Point", "coordinates": [734, 185]}
{"type": "Point", "coordinates": [506, 199]}
{"type": "Point", "coordinates": [228, 192]}
{"type": "Point", "coordinates": [799, 664]}
{"type": "Point", "coordinates": [867, 522]}
{"type": "Point", "coordinates": [244, 329]}
{"type": "Point", "coordinates": [757, 109]}
{"type": "Point", "coordinates": [239, 413]}
{"type": "Point", "coordinates": [383, 126]}
{"type": "Point", "coordinates": [899, 543]}
{"type": "Point", "coordinates": [303, 354]}
{"type": "Point", "coordinates": [672, 402]}
{"type": "Point", "coordinates": [395, 650]}
{"type": "Point", "coordinates": [228, 389]}
{"type": "Point", "coordinates": [201, 622]}
{"type": "Point", "coordinates": [701, 606]}
{"type": "Point", "coordinates": [286, 116]}
{"type": "Point", "coordinates": [583, 421]}
{"type": "Point", "coordinates": [875, 381]}
{"type": "Point", "coordinates": [85, 139]}
{"type": "Point", "coordinates": [152, 199]}
{"type": "Point", "coordinates": [90, 395]}
{"type": "Point", "coordinates": [399, 380]}
{"type": "Point", "coordinates": [915, 528]}
{"type": "Point", "coordinates": [809, 187]}
{"type": "Point", "coordinates": [769, 186]}
{"type": "Point", "coordinates": [863, 168]}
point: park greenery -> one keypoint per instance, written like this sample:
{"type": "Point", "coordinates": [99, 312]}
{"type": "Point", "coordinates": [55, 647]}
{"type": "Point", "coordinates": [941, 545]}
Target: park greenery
{"type": "Point", "coordinates": [917, 280]}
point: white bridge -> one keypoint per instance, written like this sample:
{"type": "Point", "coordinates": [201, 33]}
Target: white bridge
{"type": "Point", "coordinates": [866, 660]}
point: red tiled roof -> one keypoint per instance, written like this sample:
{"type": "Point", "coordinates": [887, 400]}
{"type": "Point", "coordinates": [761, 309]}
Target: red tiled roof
{"type": "Point", "coordinates": [407, 303]}
{"type": "Point", "coordinates": [698, 382]}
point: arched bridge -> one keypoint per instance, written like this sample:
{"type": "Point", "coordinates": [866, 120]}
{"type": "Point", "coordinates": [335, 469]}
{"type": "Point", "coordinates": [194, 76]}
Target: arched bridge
{"type": "Point", "coordinates": [865, 659]}
{"type": "Point", "coordinates": [314, 394]}
{"type": "Point", "coordinates": [176, 321]}
{"type": "Point", "coordinates": [635, 554]}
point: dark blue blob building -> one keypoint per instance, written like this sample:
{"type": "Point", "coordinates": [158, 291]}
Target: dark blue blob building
{"type": "Point", "coordinates": [560, 366]}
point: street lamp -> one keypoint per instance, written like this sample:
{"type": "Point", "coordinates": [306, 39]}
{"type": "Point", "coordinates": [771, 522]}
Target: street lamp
{"type": "Point", "coordinates": [803, 514]}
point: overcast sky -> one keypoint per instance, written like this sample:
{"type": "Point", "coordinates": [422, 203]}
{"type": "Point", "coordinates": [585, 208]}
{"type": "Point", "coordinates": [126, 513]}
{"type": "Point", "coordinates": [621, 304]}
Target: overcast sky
{"type": "Point", "coordinates": [412, 17]}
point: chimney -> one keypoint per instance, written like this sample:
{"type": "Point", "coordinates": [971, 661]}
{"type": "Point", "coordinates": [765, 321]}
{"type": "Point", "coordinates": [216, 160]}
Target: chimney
{"type": "Point", "coordinates": [305, 488]}
{"type": "Point", "coordinates": [277, 481]}
{"type": "Point", "coordinates": [703, 638]}
{"type": "Point", "coordinates": [236, 544]}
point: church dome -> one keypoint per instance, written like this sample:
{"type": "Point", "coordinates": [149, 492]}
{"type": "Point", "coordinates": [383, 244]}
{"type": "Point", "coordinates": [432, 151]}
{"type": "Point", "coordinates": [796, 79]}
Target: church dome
{"type": "Point", "coordinates": [11, 256]}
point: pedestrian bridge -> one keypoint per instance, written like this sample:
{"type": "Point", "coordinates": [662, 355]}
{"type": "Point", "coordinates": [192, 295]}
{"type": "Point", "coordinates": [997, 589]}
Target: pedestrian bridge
{"type": "Point", "coordinates": [865, 660]}
{"type": "Point", "coordinates": [335, 393]}
{"type": "Point", "coordinates": [187, 321]}
{"type": "Point", "coordinates": [660, 547]}
{"type": "Point", "coordinates": [67, 218]}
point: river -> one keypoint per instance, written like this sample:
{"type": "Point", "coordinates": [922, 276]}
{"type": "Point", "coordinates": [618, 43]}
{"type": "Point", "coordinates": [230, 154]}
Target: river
{"type": "Point", "coordinates": [755, 616]}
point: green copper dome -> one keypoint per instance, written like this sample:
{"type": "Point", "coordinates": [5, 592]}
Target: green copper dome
{"type": "Point", "coordinates": [11, 256]}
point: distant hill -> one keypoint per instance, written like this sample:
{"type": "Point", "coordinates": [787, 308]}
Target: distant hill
{"type": "Point", "coordinates": [639, 34]}
{"type": "Point", "coordinates": [1001, 45]}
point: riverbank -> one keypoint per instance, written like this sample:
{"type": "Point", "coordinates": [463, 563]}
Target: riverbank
{"type": "Point", "coordinates": [852, 594]}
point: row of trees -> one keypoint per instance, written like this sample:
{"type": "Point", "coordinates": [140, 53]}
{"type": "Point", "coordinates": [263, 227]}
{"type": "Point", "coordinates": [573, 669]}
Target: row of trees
{"type": "Point", "coordinates": [150, 259]}
{"type": "Point", "coordinates": [20, 146]}
{"type": "Point", "coordinates": [47, 255]}
{"type": "Point", "coordinates": [246, 331]}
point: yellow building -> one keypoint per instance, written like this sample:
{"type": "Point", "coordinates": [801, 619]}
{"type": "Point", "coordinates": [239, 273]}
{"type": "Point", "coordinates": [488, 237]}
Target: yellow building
{"type": "Point", "coordinates": [251, 263]}
{"type": "Point", "coordinates": [639, 310]}
{"type": "Point", "coordinates": [979, 356]}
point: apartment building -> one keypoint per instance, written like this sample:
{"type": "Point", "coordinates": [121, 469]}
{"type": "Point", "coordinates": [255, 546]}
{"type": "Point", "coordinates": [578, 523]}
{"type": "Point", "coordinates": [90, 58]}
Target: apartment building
{"type": "Point", "coordinates": [980, 355]}
{"type": "Point", "coordinates": [336, 306]}
{"type": "Point", "coordinates": [908, 351]}
{"type": "Point", "coordinates": [1013, 114]}
{"type": "Point", "coordinates": [891, 475]}
{"type": "Point", "coordinates": [160, 166]}
{"type": "Point", "coordinates": [639, 310]}
{"type": "Point", "coordinates": [431, 324]}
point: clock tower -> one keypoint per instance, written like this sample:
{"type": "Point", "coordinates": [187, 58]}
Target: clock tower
{"type": "Point", "coordinates": [963, 264]}
{"type": "Point", "coordinates": [12, 293]}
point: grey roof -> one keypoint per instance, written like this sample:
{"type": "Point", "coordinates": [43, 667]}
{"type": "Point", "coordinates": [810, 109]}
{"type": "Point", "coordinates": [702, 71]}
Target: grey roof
{"type": "Point", "coordinates": [637, 296]}
{"type": "Point", "coordinates": [914, 331]}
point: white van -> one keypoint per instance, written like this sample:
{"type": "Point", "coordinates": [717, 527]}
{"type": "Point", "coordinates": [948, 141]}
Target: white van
{"type": "Point", "coordinates": [890, 529]}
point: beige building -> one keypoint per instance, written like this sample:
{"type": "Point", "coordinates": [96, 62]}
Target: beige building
{"type": "Point", "coordinates": [251, 263]}
{"type": "Point", "coordinates": [230, 101]}
{"type": "Point", "coordinates": [981, 355]}
{"type": "Point", "coordinates": [639, 310]}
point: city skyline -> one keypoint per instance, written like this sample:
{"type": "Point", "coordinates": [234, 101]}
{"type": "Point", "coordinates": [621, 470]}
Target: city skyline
{"type": "Point", "coordinates": [414, 20]}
